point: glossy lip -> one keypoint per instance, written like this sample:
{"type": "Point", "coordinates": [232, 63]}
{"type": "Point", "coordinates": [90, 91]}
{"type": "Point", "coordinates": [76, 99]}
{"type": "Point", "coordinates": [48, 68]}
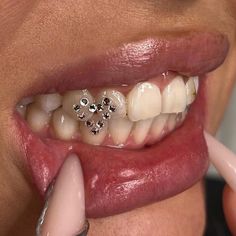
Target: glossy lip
{"type": "Point", "coordinates": [120, 180]}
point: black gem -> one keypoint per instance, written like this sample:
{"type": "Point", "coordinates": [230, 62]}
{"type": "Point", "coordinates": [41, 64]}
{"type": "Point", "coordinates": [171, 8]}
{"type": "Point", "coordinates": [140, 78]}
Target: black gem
{"type": "Point", "coordinates": [76, 107]}
{"type": "Point", "coordinates": [106, 116]}
{"type": "Point", "coordinates": [112, 108]}
{"type": "Point", "coordinates": [106, 101]}
{"type": "Point", "coordinates": [81, 116]}
{"type": "Point", "coordinates": [89, 123]}
{"type": "Point", "coordinates": [100, 124]}
{"type": "Point", "coordinates": [100, 107]}
{"type": "Point", "coordinates": [95, 130]}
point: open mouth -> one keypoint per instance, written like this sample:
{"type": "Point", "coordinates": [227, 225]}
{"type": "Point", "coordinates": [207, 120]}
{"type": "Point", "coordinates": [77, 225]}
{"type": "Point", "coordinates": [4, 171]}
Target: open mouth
{"type": "Point", "coordinates": [134, 116]}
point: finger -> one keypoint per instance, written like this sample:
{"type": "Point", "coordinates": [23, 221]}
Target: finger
{"type": "Point", "coordinates": [229, 205]}
{"type": "Point", "coordinates": [64, 212]}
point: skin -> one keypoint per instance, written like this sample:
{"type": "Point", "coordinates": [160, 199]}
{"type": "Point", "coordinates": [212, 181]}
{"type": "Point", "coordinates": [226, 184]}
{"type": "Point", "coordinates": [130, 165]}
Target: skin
{"type": "Point", "coordinates": [37, 36]}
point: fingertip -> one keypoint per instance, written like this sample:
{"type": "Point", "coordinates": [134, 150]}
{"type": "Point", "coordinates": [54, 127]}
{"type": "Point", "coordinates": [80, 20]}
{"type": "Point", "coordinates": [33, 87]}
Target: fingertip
{"type": "Point", "coordinates": [229, 205]}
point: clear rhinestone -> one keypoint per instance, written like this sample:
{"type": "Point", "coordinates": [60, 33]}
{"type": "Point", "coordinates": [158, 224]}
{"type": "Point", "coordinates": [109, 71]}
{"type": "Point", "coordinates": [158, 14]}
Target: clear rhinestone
{"type": "Point", "coordinates": [100, 124]}
{"type": "Point", "coordinates": [81, 116]}
{"type": "Point", "coordinates": [112, 108]}
{"type": "Point", "coordinates": [89, 123]}
{"type": "Point", "coordinates": [93, 108]}
{"type": "Point", "coordinates": [106, 116]}
{"type": "Point", "coordinates": [106, 101]}
{"type": "Point", "coordinates": [100, 107]}
{"type": "Point", "coordinates": [84, 102]}
{"type": "Point", "coordinates": [76, 107]}
{"type": "Point", "coordinates": [95, 130]}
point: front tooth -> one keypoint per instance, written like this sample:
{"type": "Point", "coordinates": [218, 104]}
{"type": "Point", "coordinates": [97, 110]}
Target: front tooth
{"type": "Point", "coordinates": [172, 121]}
{"type": "Point", "coordinates": [63, 125]}
{"type": "Point", "coordinates": [158, 125]}
{"type": "Point", "coordinates": [141, 130]}
{"type": "Point", "coordinates": [37, 118]}
{"type": "Point", "coordinates": [77, 104]}
{"type": "Point", "coordinates": [90, 131]}
{"type": "Point", "coordinates": [191, 91]}
{"type": "Point", "coordinates": [144, 102]}
{"type": "Point", "coordinates": [174, 97]}
{"type": "Point", "coordinates": [112, 102]}
{"type": "Point", "coordinates": [48, 102]}
{"type": "Point", "coordinates": [120, 129]}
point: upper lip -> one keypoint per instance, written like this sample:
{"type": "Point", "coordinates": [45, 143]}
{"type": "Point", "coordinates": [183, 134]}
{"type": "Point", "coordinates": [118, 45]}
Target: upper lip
{"type": "Point", "coordinates": [116, 181]}
{"type": "Point", "coordinates": [192, 53]}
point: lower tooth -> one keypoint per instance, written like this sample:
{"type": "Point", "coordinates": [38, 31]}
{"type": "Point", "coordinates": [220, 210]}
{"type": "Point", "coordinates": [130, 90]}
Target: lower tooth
{"type": "Point", "coordinates": [141, 130]}
{"type": "Point", "coordinates": [92, 132]}
{"type": "Point", "coordinates": [158, 125]}
{"type": "Point", "coordinates": [120, 129]}
{"type": "Point", "coordinates": [64, 126]}
{"type": "Point", "coordinates": [37, 119]}
{"type": "Point", "coordinates": [171, 123]}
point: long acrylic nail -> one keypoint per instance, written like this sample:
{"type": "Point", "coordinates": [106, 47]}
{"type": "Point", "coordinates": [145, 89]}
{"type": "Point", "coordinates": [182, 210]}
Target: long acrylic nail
{"type": "Point", "coordinates": [64, 212]}
{"type": "Point", "coordinates": [223, 159]}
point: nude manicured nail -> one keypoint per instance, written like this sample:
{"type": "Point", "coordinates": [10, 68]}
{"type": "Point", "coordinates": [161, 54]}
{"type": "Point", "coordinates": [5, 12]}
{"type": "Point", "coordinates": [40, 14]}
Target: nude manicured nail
{"type": "Point", "coordinates": [223, 159]}
{"type": "Point", "coordinates": [64, 213]}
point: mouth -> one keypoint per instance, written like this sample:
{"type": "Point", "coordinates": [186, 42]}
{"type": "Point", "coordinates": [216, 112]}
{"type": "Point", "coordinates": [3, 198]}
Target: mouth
{"type": "Point", "coordinates": [134, 116]}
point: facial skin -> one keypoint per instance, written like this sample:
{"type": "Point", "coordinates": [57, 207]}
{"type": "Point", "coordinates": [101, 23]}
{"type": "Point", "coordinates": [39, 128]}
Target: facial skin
{"type": "Point", "coordinates": [38, 36]}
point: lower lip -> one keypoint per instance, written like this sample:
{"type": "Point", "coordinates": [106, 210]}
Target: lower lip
{"type": "Point", "coordinates": [119, 180]}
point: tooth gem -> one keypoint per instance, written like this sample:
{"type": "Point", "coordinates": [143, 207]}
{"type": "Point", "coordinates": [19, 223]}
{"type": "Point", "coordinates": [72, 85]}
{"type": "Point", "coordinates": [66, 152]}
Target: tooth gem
{"type": "Point", "coordinates": [106, 101]}
{"type": "Point", "coordinates": [93, 108]}
{"type": "Point", "coordinates": [76, 107]}
{"type": "Point", "coordinates": [84, 102]}
{"type": "Point", "coordinates": [95, 126]}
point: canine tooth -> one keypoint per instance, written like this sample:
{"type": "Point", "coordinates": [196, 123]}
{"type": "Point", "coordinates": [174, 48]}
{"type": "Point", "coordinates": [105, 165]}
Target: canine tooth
{"type": "Point", "coordinates": [48, 102]}
{"type": "Point", "coordinates": [37, 118]}
{"type": "Point", "coordinates": [144, 102]}
{"type": "Point", "coordinates": [63, 125]}
{"type": "Point", "coordinates": [158, 125]}
{"type": "Point", "coordinates": [174, 98]}
{"type": "Point", "coordinates": [113, 102]}
{"type": "Point", "coordinates": [171, 123]}
{"type": "Point", "coordinates": [141, 129]}
{"type": "Point", "coordinates": [191, 91]}
{"type": "Point", "coordinates": [120, 129]}
{"type": "Point", "coordinates": [88, 131]}
{"type": "Point", "coordinates": [77, 104]}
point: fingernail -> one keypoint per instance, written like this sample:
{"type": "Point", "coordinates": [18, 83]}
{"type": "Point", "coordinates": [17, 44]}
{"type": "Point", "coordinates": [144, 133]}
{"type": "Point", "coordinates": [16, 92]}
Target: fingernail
{"type": "Point", "coordinates": [64, 212]}
{"type": "Point", "coordinates": [223, 159]}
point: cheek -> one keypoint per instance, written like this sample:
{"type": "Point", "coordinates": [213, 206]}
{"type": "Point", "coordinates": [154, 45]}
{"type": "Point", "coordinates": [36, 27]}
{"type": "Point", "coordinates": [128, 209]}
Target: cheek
{"type": "Point", "coordinates": [219, 87]}
{"type": "Point", "coordinates": [164, 218]}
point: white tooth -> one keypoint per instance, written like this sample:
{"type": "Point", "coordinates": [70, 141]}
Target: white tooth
{"type": "Point", "coordinates": [63, 125]}
{"type": "Point", "coordinates": [174, 96]}
{"type": "Point", "coordinates": [37, 119]}
{"type": "Point", "coordinates": [196, 82]}
{"type": "Point", "coordinates": [158, 125]}
{"type": "Point", "coordinates": [191, 91]}
{"type": "Point", "coordinates": [48, 102]}
{"type": "Point", "coordinates": [144, 102]}
{"type": "Point", "coordinates": [73, 98]}
{"type": "Point", "coordinates": [119, 130]}
{"type": "Point", "coordinates": [171, 123]}
{"type": "Point", "coordinates": [117, 99]}
{"type": "Point", "coordinates": [88, 137]}
{"type": "Point", "coordinates": [141, 129]}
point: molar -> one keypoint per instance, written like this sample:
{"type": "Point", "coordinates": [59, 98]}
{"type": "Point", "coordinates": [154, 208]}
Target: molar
{"type": "Point", "coordinates": [48, 102]}
{"type": "Point", "coordinates": [79, 104]}
{"type": "Point", "coordinates": [174, 97]}
{"type": "Point", "coordinates": [144, 101]}
{"type": "Point", "coordinates": [63, 125]}
{"type": "Point", "coordinates": [37, 118]}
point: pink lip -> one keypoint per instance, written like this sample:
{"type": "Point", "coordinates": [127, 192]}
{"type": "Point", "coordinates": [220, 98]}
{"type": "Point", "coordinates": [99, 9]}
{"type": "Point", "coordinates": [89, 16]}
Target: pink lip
{"type": "Point", "coordinates": [121, 180]}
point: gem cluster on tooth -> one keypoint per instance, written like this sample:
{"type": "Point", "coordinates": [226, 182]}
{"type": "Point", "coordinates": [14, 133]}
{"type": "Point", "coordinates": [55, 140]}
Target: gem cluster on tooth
{"type": "Point", "coordinates": [146, 109]}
